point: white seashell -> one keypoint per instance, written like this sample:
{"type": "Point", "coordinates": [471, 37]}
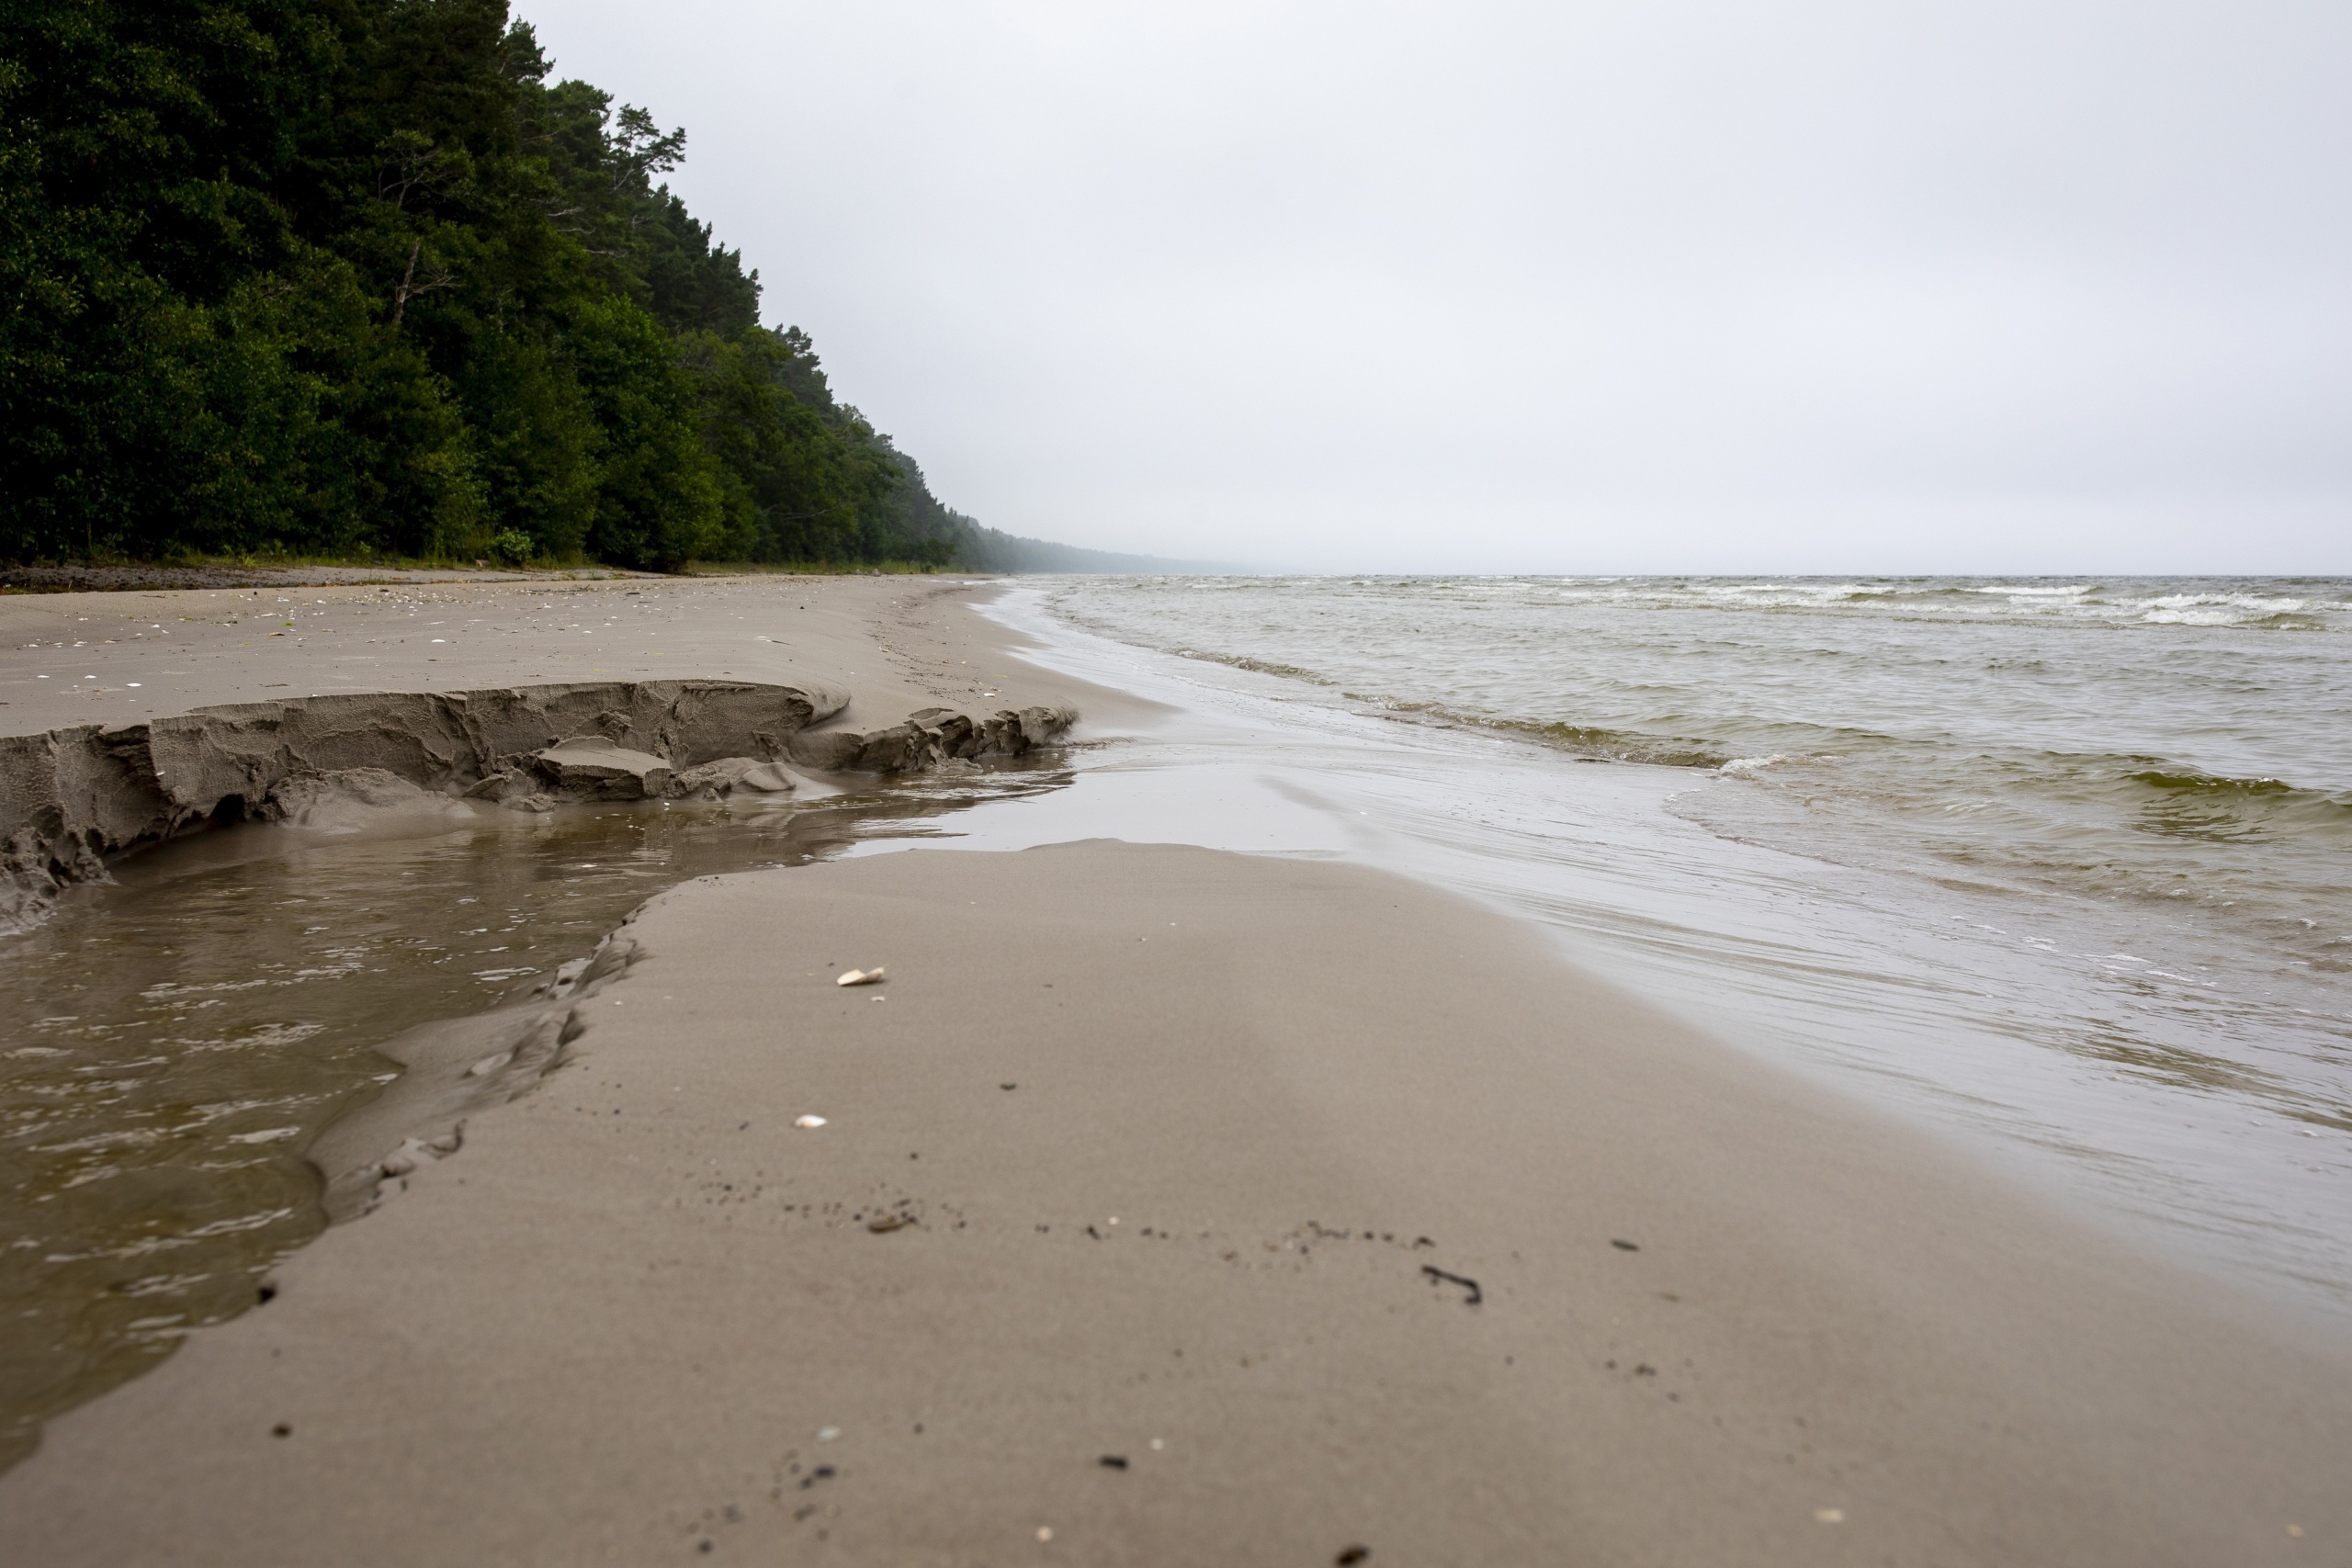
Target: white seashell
{"type": "Point", "coordinates": [861, 976]}
{"type": "Point", "coordinates": [809, 1122]}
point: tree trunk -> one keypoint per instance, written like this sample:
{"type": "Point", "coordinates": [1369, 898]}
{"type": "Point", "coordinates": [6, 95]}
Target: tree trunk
{"type": "Point", "coordinates": [400, 299]}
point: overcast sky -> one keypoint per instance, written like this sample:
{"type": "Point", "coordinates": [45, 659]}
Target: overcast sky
{"type": "Point", "coordinates": [1658, 284]}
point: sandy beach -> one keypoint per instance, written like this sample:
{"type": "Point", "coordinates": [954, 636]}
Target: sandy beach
{"type": "Point", "coordinates": [1168, 1205]}
{"type": "Point", "coordinates": [886, 641]}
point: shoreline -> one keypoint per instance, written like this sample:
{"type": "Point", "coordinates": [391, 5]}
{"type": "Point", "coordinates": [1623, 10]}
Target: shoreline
{"type": "Point", "coordinates": [2005, 1016]}
{"type": "Point", "coordinates": [613, 1323]}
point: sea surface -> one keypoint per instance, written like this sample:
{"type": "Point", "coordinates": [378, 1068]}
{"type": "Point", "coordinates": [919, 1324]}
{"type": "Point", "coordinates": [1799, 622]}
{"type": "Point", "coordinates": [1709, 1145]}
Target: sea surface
{"type": "Point", "coordinates": [2062, 867]}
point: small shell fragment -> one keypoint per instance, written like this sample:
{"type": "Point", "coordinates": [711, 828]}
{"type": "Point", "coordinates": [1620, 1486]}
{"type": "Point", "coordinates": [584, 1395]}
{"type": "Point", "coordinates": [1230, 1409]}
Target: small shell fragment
{"type": "Point", "coordinates": [808, 1121]}
{"type": "Point", "coordinates": [881, 1225]}
{"type": "Point", "coordinates": [861, 976]}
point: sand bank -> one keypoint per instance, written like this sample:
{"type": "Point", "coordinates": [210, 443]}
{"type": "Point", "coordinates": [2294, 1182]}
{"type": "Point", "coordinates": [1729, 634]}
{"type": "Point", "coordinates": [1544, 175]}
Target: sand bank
{"type": "Point", "coordinates": [1148, 1154]}
{"type": "Point", "coordinates": [195, 704]}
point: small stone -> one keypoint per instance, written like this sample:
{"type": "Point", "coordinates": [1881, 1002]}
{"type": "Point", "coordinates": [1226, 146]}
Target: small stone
{"type": "Point", "coordinates": [1623, 1245]}
{"type": "Point", "coordinates": [828, 1434]}
{"type": "Point", "coordinates": [1113, 1461]}
{"type": "Point", "coordinates": [1351, 1555]}
{"type": "Point", "coordinates": [1831, 1516]}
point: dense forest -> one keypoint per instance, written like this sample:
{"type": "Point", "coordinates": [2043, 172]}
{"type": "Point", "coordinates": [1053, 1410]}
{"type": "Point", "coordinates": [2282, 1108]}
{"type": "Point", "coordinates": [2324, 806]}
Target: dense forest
{"type": "Point", "coordinates": [359, 279]}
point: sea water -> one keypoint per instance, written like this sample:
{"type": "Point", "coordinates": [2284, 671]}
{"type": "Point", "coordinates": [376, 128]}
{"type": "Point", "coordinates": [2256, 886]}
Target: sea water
{"type": "Point", "coordinates": [2062, 866]}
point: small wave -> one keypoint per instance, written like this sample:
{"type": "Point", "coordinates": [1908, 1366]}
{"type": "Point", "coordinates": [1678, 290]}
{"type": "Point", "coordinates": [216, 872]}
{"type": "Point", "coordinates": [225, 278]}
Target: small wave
{"type": "Point", "coordinates": [2222, 610]}
{"type": "Point", "coordinates": [1268, 667]}
{"type": "Point", "coordinates": [1583, 740]}
{"type": "Point", "coordinates": [2283, 621]}
{"type": "Point", "coordinates": [1756, 767]}
{"type": "Point", "coordinates": [1821, 591]}
{"type": "Point", "coordinates": [2217, 808]}
{"type": "Point", "coordinates": [2033, 591]}
{"type": "Point", "coordinates": [2212, 784]}
{"type": "Point", "coordinates": [2267, 604]}
{"type": "Point", "coordinates": [1616, 745]}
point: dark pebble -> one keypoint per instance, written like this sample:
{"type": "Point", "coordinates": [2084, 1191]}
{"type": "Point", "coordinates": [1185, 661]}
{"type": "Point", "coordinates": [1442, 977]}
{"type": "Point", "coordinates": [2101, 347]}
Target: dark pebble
{"type": "Point", "coordinates": [1113, 1461]}
{"type": "Point", "coordinates": [1352, 1555]}
{"type": "Point", "coordinates": [823, 1472]}
{"type": "Point", "coordinates": [1008, 1085]}
{"type": "Point", "coordinates": [267, 1295]}
{"type": "Point", "coordinates": [281, 1430]}
{"type": "Point", "coordinates": [1624, 1246]}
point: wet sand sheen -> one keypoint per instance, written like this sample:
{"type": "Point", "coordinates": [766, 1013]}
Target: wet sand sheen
{"type": "Point", "coordinates": [1720, 1318]}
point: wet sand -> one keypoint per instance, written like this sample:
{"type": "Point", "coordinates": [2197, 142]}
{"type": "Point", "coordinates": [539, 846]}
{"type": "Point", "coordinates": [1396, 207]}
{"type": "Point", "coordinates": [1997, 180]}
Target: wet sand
{"type": "Point", "coordinates": [1267, 1123]}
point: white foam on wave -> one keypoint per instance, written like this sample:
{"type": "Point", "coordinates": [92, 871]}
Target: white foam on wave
{"type": "Point", "coordinates": [2216, 609]}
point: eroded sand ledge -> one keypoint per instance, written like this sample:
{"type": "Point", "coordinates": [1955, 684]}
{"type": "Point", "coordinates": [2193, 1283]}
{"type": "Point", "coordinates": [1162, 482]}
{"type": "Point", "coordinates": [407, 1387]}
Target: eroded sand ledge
{"type": "Point", "coordinates": [73, 796]}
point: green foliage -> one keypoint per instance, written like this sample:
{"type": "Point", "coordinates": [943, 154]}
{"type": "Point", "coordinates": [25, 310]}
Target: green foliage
{"type": "Point", "coordinates": [353, 277]}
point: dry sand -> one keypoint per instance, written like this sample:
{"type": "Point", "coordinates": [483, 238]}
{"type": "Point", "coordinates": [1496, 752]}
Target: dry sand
{"type": "Point", "coordinates": [619, 1324]}
{"type": "Point", "coordinates": [896, 643]}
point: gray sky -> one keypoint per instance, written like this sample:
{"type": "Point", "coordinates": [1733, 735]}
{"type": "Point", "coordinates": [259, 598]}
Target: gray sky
{"type": "Point", "coordinates": [1676, 285]}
